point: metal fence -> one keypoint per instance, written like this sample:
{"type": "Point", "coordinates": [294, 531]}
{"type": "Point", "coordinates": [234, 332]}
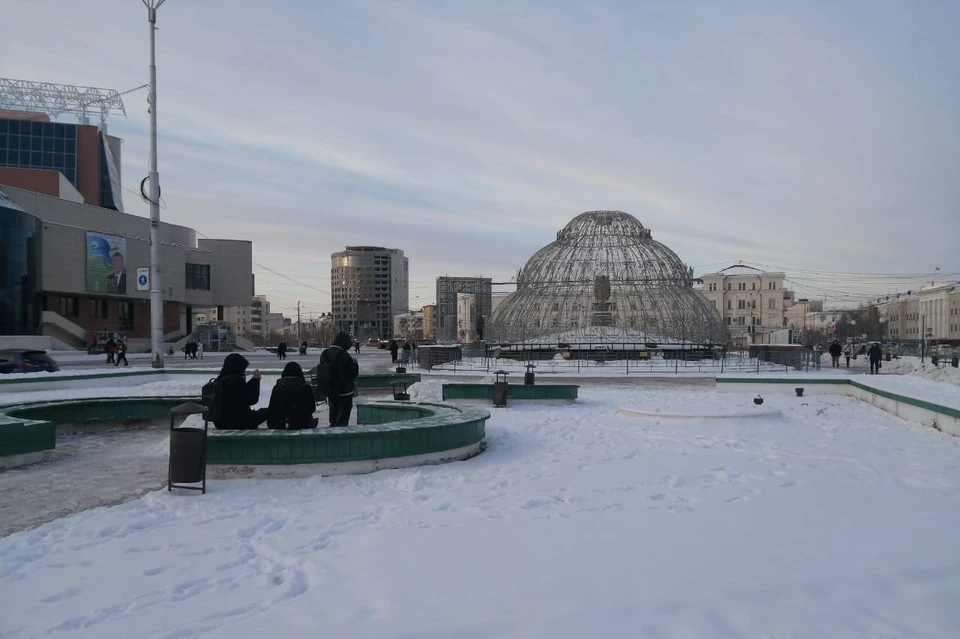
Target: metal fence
{"type": "Point", "coordinates": [616, 359]}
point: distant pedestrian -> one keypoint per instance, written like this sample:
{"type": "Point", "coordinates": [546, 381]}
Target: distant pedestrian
{"type": "Point", "coordinates": [198, 349]}
{"type": "Point", "coordinates": [111, 350]}
{"type": "Point", "coordinates": [875, 354]}
{"type": "Point", "coordinates": [356, 346]}
{"type": "Point", "coordinates": [282, 350]}
{"type": "Point", "coordinates": [406, 352]}
{"type": "Point", "coordinates": [848, 352]}
{"type": "Point", "coordinates": [394, 349]}
{"type": "Point", "coordinates": [122, 353]}
{"type": "Point", "coordinates": [835, 351]}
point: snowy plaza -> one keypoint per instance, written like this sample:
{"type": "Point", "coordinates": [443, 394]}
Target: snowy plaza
{"type": "Point", "coordinates": [649, 507]}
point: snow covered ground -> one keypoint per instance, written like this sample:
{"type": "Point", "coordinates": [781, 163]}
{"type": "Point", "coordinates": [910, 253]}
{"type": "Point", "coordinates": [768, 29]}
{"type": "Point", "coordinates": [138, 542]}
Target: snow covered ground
{"type": "Point", "coordinates": [833, 520]}
{"type": "Point", "coordinates": [926, 370]}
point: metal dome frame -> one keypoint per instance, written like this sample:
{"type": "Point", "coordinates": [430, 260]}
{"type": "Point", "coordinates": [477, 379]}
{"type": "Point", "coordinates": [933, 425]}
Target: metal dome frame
{"type": "Point", "coordinates": [605, 279]}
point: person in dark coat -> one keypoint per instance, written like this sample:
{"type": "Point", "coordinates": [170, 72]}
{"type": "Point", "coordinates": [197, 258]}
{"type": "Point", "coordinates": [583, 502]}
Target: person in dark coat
{"type": "Point", "coordinates": [239, 394]}
{"type": "Point", "coordinates": [406, 352]}
{"type": "Point", "coordinates": [356, 346]}
{"type": "Point", "coordinates": [292, 402]}
{"type": "Point", "coordinates": [282, 350]}
{"type": "Point", "coordinates": [394, 349]}
{"type": "Point", "coordinates": [875, 354]}
{"type": "Point", "coordinates": [111, 350]}
{"type": "Point", "coordinates": [343, 373]}
{"type": "Point", "coordinates": [835, 351]}
{"type": "Point", "coordinates": [122, 353]}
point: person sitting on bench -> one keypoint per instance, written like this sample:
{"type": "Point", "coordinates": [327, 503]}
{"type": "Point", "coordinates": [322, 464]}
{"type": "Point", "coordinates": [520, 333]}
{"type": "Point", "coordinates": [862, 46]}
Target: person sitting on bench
{"type": "Point", "coordinates": [292, 401]}
{"type": "Point", "coordinates": [236, 395]}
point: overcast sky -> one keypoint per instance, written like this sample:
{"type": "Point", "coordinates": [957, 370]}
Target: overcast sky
{"type": "Point", "coordinates": [818, 135]}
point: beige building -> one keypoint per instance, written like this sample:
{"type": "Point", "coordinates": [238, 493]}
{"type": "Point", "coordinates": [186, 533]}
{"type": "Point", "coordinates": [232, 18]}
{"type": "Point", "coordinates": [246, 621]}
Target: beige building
{"type": "Point", "coordinates": [466, 317]}
{"type": "Point", "coordinates": [801, 314]}
{"type": "Point", "coordinates": [933, 312]}
{"type": "Point", "coordinates": [750, 300]}
{"type": "Point", "coordinates": [430, 321]}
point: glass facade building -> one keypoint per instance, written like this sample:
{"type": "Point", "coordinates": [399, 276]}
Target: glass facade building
{"type": "Point", "coordinates": [27, 144]}
{"type": "Point", "coordinates": [20, 235]}
{"type": "Point", "coordinates": [39, 145]}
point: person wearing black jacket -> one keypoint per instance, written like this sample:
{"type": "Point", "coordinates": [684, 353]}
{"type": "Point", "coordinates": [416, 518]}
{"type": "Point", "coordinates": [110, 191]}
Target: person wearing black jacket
{"type": "Point", "coordinates": [835, 351]}
{"type": "Point", "coordinates": [394, 349]}
{"type": "Point", "coordinates": [238, 395]}
{"type": "Point", "coordinates": [875, 354]}
{"type": "Point", "coordinates": [292, 402]}
{"type": "Point", "coordinates": [282, 350]}
{"type": "Point", "coordinates": [343, 372]}
{"type": "Point", "coordinates": [122, 353]}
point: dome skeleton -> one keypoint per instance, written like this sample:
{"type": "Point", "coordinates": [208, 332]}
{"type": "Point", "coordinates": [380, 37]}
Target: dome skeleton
{"type": "Point", "coordinates": [606, 279]}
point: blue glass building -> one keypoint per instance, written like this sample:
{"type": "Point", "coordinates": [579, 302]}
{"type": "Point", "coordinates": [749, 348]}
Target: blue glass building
{"type": "Point", "coordinates": [20, 253]}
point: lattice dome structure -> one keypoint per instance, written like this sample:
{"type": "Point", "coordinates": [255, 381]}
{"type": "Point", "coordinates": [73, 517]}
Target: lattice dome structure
{"type": "Point", "coordinates": [605, 279]}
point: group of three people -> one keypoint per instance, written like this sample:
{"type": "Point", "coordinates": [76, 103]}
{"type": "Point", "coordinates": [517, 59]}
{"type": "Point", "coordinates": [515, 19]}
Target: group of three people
{"type": "Point", "coordinates": [292, 402]}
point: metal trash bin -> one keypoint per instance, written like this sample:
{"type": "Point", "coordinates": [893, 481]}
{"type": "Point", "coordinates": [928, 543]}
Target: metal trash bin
{"type": "Point", "coordinates": [529, 377]}
{"type": "Point", "coordinates": [500, 389]}
{"type": "Point", "coordinates": [188, 450]}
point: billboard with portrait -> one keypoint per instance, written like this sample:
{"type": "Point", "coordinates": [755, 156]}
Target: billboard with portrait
{"type": "Point", "coordinates": [106, 268]}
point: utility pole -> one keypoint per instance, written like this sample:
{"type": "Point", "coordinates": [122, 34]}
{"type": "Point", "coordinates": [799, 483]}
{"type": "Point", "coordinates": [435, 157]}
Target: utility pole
{"type": "Point", "coordinates": [299, 340]}
{"type": "Point", "coordinates": [156, 287]}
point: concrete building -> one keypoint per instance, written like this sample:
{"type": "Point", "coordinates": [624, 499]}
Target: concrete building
{"type": "Point", "coordinates": [467, 309]}
{"type": "Point", "coordinates": [796, 315]}
{"type": "Point", "coordinates": [76, 162]}
{"type": "Point", "coordinates": [430, 321]}
{"type": "Point", "coordinates": [933, 311]}
{"type": "Point", "coordinates": [69, 271]}
{"type": "Point", "coordinates": [369, 285]}
{"type": "Point", "coordinates": [408, 326]}
{"type": "Point", "coordinates": [448, 288]}
{"type": "Point", "coordinates": [750, 300]}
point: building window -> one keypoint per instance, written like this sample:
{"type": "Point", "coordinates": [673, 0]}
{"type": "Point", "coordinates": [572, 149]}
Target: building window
{"type": "Point", "coordinates": [99, 308]}
{"type": "Point", "coordinates": [753, 286]}
{"type": "Point", "coordinates": [729, 305]}
{"type": "Point", "coordinates": [741, 304]}
{"type": "Point", "coordinates": [772, 286]}
{"type": "Point", "coordinates": [198, 277]}
{"type": "Point", "coordinates": [772, 305]}
{"type": "Point", "coordinates": [70, 307]}
{"type": "Point", "coordinates": [125, 316]}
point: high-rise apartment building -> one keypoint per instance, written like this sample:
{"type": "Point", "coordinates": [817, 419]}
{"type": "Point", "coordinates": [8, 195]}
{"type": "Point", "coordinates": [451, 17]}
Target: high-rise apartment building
{"type": "Point", "coordinates": [448, 328]}
{"type": "Point", "coordinates": [369, 285]}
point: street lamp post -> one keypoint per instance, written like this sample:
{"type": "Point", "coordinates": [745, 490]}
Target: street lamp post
{"type": "Point", "coordinates": [156, 288]}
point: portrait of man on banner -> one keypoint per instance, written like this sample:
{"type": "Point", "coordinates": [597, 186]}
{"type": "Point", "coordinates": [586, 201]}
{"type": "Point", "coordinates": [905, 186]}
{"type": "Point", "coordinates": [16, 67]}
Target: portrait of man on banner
{"type": "Point", "coordinates": [106, 268]}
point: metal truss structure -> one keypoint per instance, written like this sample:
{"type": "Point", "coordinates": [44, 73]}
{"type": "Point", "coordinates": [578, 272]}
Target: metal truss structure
{"type": "Point", "coordinates": [57, 99]}
{"type": "Point", "coordinates": [605, 279]}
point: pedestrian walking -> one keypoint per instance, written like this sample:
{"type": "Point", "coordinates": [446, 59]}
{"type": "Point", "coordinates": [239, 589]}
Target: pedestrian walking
{"type": "Point", "coordinates": [343, 372]}
{"type": "Point", "coordinates": [198, 349]}
{"type": "Point", "coordinates": [394, 349]}
{"type": "Point", "coordinates": [122, 353]}
{"type": "Point", "coordinates": [835, 351]}
{"type": "Point", "coordinates": [875, 354]}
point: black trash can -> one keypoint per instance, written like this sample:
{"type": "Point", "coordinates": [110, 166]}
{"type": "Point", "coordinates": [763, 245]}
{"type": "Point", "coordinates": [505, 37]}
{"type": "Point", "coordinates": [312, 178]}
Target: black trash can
{"type": "Point", "coordinates": [500, 389]}
{"type": "Point", "coordinates": [955, 361]}
{"type": "Point", "coordinates": [188, 451]}
{"type": "Point", "coordinates": [529, 378]}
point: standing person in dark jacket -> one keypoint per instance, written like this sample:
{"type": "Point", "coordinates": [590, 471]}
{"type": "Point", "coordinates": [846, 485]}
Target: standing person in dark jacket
{"type": "Point", "coordinates": [343, 372]}
{"type": "Point", "coordinates": [282, 350]}
{"type": "Point", "coordinates": [111, 350]}
{"type": "Point", "coordinates": [394, 349]}
{"type": "Point", "coordinates": [875, 353]}
{"type": "Point", "coordinates": [239, 394]}
{"type": "Point", "coordinates": [835, 351]}
{"type": "Point", "coordinates": [406, 352]}
{"type": "Point", "coordinates": [292, 402]}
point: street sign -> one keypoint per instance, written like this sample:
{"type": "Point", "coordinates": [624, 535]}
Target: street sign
{"type": "Point", "coordinates": [143, 279]}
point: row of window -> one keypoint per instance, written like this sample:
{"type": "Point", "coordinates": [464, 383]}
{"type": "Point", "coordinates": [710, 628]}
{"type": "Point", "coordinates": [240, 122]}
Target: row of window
{"type": "Point", "coordinates": [43, 129]}
{"type": "Point", "coordinates": [197, 277]}
{"type": "Point", "coordinates": [99, 308]}
{"type": "Point", "coordinates": [741, 286]}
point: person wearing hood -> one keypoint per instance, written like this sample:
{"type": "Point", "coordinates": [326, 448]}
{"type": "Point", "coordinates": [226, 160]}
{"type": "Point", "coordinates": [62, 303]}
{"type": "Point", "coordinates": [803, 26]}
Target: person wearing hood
{"type": "Point", "coordinates": [394, 349]}
{"type": "Point", "coordinates": [292, 402]}
{"type": "Point", "coordinates": [238, 395]}
{"type": "Point", "coordinates": [343, 372]}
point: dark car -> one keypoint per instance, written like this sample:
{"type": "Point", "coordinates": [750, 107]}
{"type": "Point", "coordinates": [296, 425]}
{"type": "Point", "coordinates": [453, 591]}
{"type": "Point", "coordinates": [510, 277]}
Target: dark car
{"type": "Point", "coordinates": [26, 361]}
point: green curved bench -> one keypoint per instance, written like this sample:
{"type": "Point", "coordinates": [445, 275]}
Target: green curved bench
{"type": "Point", "coordinates": [27, 430]}
{"type": "Point", "coordinates": [388, 435]}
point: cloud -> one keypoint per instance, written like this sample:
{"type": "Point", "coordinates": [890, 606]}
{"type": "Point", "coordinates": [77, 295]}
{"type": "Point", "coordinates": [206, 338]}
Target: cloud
{"type": "Point", "coordinates": [467, 135]}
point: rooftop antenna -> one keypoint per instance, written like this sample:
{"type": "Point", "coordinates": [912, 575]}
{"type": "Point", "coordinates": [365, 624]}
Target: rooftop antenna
{"type": "Point", "coordinates": [156, 290]}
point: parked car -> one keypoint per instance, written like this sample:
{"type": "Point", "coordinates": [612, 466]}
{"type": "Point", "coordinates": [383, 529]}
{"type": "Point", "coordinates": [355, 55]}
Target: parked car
{"type": "Point", "coordinates": [26, 361]}
{"type": "Point", "coordinates": [373, 341]}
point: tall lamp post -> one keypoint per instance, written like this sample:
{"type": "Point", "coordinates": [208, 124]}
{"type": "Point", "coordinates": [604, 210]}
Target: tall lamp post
{"type": "Point", "coordinates": [156, 288]}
